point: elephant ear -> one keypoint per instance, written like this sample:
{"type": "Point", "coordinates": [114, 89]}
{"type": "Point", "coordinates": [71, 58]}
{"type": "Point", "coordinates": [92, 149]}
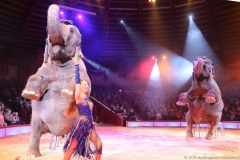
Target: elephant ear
{"type": "Point", "coordinates": [79, 36]}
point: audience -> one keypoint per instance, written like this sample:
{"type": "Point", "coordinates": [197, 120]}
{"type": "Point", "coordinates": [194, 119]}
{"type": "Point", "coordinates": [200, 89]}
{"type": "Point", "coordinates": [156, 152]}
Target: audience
{"type": "Point", "coordinates": [2, 122]}
{"type": "Point", "coordinates": [145, 103]}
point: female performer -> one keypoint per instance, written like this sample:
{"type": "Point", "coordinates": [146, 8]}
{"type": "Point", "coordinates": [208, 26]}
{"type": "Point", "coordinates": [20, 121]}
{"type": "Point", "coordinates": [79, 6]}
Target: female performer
{"type": "Point", "coordinates": [83, 131]}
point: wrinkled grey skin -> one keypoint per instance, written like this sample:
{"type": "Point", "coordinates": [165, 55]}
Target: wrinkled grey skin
{"type": "Point", "coordinates": [51, 88]}
{"type": "Point", "coordinates": [203, 98]}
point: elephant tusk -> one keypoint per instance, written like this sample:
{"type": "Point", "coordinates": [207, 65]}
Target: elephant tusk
{"type": "Point", "coordinates": [46, 53]}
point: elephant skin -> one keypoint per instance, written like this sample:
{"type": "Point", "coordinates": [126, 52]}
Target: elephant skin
{"type": "Point", "coordinates": [203, 98]}
{"type": "Point", "coordinates": [51, 88]}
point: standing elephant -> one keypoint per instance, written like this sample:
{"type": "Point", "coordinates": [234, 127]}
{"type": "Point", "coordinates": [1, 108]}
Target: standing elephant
{"type": "Point", "coordinates": [203, 98]}
{"type": "Point", "coordinates": [51, 88]}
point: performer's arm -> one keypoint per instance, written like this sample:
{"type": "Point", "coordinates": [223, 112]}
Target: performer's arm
{"type": "Point", "coordinates": [79, 96]}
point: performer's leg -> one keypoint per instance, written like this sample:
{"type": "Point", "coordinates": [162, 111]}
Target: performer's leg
{"type": "Point", "coordinates": [97, 143]}
{"type": "Point", "coordinates": [71, 149]}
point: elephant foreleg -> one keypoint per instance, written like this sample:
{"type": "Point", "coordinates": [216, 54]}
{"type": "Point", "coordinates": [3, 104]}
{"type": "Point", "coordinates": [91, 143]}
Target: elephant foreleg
{"type": "Point", "coordinates": [189, 133]}
{"type": "Point", "coordinates": [183, 99]}
{"type": "Point", "coordinates": [211, 96]}
{"type": "Point", "coordinates": [35, 88]}
{"type": "Point", "coordinates": [36, 133]}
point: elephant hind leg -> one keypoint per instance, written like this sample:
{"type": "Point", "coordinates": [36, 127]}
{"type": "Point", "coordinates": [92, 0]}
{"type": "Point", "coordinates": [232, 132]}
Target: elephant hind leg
{"type": "Point", "coordinates": [212, 128]}
{"type": "Point", "coordinates": [189, 133]}
{"type": "Point", "coordinates": [35, 136]}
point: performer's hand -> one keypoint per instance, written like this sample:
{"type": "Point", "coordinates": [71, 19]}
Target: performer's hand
{"type": "Point", "coordinates": [75, 60]}
{"type": "Point", "coordinates": [94, 123]}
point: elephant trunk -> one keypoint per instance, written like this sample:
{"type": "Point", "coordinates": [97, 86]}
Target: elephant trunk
{"type": "Point", "coordinates": [54, 26]}
{"type": "Point", "coordinates": [198, 66]}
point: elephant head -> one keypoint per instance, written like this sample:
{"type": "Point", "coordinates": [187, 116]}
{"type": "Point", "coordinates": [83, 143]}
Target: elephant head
{"type": "Point", "coordinates": [63, 37]}
{"type": "Point", "coordinates": [202, 69]}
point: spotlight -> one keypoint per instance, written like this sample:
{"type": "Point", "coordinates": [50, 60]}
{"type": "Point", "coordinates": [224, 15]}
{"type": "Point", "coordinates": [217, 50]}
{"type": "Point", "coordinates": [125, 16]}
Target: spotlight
{"type": "Point", "coordinates": [153, 57]}
{"type": "Point", "coordinates": [61, 12]}
{"type": "Point", "coordinates": [150, 0]}
{"type": "Point", "coordinates": [190, 17]}
{"type": "Point", "coordinates": [121, 21]}
{"type": "Point", "coordinates": [164, 57]}
{"type": "Point", "coordinates": [79, 16]}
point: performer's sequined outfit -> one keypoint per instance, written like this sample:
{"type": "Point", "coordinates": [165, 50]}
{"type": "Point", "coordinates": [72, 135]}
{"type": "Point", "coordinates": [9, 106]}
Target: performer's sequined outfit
{"type": "Point", "coordinates": [84, 132]}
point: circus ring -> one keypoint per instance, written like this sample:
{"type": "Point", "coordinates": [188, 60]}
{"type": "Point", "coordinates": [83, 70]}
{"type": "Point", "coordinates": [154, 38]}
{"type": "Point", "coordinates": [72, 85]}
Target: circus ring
{"type": "Point", "coordinates": [140, 140]}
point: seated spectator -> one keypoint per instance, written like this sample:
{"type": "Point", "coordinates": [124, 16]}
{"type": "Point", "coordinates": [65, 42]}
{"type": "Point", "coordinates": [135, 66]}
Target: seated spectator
{"type": "Point", "coordinates": [124, 114]}
{"type": "Point", "coordinates": [1, 106]}
{"type": "Point", "coordinates": [9, 118]}
{"type": "Point", "coordinates": [158, 115]}
{"type": "Point", "coordinates": [131, 115]}
{"type": "Point", "coordinates": [16, 118]}
{"type": "Point", "coordinates": [225, 114]}
{"type": "Point", "coordinates": [179, 115]}
{"type": "Point", "coordinates": [171, 114]}
{"type": "Point", "coordinates": [238, 116]}
{"type": "Point", "coordinates": [2, 123]}
{"type": "Point", "coordinates": [152, 115]}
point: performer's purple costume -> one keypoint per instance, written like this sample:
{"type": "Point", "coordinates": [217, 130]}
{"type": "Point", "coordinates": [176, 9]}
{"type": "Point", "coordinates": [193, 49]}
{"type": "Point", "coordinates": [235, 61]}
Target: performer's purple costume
{"type": "Point", "coordinates": [84, 132]}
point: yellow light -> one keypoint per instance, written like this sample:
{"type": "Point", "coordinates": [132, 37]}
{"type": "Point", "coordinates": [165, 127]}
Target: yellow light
{"type": "Point", "coordinates": [164, 57]}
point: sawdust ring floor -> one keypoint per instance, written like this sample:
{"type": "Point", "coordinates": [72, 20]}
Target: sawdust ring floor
{"type": "Point", "coordinates": [140, 143]}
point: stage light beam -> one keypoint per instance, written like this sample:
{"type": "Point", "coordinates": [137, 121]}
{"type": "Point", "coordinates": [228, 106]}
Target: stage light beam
{"type": "Point", "coordinates": [154, 79]}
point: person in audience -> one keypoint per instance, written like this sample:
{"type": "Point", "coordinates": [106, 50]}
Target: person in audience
{"type": "Point", "coordinates": [131, 115]}
{"type": "Point", "coordinates": [158, 115]}
{"type": "Point", "coordinates": [152, 115]}
{"type": "Point", "coordinates": [225, 113]}
{"type": "Point", "coordinates": [124, 114]}
{"type": "Point", "coordinates": [9, 117]}
{"type": "Point", "coordinates": [1, 106]}
{"type": "Point", "coordinates": [2, 123]}
{"type": "Point", "coordinates": [16, 118]}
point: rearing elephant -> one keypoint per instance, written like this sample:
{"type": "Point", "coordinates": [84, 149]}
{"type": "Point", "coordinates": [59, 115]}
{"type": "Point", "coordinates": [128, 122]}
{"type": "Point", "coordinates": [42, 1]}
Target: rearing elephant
{"type": "Point", "coordinates": [52, 86]}
{"type": "Point", "coordinates": [203, 98]}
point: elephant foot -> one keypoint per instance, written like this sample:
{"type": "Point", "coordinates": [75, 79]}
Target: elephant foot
{"type": "Point", "coordinates": [30, 94]}
{"type": "Point", "coordinates": [189, 134]}
{"type": "Point", "coordinates": [209, 136]}
{"type": "Point", "coordinates": [180, 103]}
{"type": "Point", "coordinates": [67, 93]}
{"type": "Point", "coordinates": [210, 99]}
{"type": "Point", "coordinates": [32, 153]}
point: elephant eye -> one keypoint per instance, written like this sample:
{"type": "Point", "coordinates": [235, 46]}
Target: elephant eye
{"type": "Point", "coordinates": [71, 30]}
